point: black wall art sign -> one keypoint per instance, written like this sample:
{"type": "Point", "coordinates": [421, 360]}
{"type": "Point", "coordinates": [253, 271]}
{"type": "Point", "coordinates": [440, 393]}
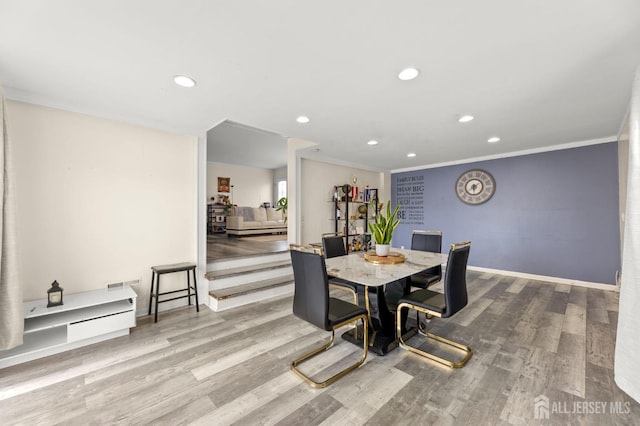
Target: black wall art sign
{"type": "Point", "coordinates": [410, 196]}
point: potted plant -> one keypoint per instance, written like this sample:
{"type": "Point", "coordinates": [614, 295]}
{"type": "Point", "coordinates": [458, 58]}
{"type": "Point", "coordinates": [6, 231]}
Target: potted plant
{"type": "Point", "coordinates": [282, 205]}
{"type": "Point", "coordinates": [383, 228]}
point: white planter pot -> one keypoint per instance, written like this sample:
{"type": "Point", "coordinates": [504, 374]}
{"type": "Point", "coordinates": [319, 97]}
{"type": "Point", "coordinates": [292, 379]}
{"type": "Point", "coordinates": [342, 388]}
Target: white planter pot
{"type": "Point", "coordinates": [383, 249]}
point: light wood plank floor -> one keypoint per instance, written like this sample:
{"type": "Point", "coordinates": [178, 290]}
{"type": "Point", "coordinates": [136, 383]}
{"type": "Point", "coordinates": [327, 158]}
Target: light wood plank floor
{"type": "Point", "coordinates": [530, 338]}
{"type": "Point", "coordinates": [221, 246]}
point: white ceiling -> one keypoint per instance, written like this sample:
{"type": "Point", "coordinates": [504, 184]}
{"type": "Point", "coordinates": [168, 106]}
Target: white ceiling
{"type": "Point", "coordinates": [235, 143]}
{"type": "Point", "coordinates": [535, 73]}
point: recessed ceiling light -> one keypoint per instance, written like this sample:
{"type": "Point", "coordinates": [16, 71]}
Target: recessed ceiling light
{"type": "Point", "coordinates": [408, 74]}
{"type": "Point", "coordinates": [465, 118]}
{"type": "Point", "coordinates": [493, 139]}
{"type": "Point", "coordinates": [184, 81]}
{"type": "Point", "coordinates": [411, 154]}
{"type": "Point", "coordinates": [372, 143]}
{"type": "Point", "coordinates": [315, 149]}
{"type": "Point", "coordinates": [302, 119]}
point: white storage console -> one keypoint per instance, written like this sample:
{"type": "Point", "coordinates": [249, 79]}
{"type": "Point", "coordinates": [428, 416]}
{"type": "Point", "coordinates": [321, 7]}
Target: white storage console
{"type": "Point", "coordinates": [85, 318]}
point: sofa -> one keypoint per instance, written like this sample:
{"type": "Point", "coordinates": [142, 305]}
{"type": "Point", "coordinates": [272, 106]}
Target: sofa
{"type": "Point", "coordinates": [255, 221]}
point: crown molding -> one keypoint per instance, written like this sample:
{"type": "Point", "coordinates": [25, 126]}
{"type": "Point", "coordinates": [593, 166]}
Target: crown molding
{"type": "Point", "coordinates": [570, 145]}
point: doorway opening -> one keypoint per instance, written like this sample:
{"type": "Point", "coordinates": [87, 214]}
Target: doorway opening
{"type": "Point", "coordinates": [252, 164]}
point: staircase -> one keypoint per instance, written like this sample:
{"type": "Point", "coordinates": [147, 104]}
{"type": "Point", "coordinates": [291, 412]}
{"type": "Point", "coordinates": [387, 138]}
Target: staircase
{"type": "Point", "coordinates": [240, 281]}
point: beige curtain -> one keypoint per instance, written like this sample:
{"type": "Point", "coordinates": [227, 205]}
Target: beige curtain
{"type": "Point", "coordinates": [11, 311]}
{"type": "Point", "coordinates": [626, 372]}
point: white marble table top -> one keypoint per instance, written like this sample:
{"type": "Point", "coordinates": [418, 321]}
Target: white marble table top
{"type": "Point", "coordinates": [354, 268]}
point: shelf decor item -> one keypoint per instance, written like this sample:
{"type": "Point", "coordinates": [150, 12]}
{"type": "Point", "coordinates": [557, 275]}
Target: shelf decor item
{"type": "Point", "coordinates": [362, 209]}
{"type": "Point", "coordinates": [346, 190]}
{"type": "Point", "coordinates": [383, 228]}
{"type": "Point", "coordinates": [54, 295]}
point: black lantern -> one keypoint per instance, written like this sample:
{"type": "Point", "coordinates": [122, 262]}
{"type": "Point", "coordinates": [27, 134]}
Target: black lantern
{"type": "Point", "coordinates": [54, 295]}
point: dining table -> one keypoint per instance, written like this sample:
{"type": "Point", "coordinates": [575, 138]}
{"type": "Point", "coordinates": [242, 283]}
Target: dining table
{"type": "Point", "coordinates": [382, 282]}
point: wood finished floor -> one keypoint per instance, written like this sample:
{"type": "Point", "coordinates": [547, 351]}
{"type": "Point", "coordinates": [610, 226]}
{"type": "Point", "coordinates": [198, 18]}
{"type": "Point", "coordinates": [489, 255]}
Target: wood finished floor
{"type": "Point", "coordinates": [529, 338]}
{"type": "Point", "coordinates": [221, 246]}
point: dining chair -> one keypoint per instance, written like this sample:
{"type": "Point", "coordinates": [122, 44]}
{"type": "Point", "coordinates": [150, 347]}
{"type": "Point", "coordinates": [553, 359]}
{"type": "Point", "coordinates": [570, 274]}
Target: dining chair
{"type": "Point", "coordinates": [312, 303]}
{"type": "Point", "coordinates": [333, 246]}
{"type": "Point", "coordinates": [426, 241]}
{"type": "Point", "coordinates": [441, 305]}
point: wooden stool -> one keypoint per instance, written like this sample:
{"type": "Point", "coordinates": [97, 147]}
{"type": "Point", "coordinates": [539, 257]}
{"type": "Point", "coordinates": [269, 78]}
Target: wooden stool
{"type": "Point", "coordinates": [168, 269]}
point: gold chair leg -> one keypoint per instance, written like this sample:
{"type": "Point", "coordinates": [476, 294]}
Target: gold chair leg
{"type": "Point", "coordinates": [453, 364]}
{"type": "Point", "coordinates": [324, 347]}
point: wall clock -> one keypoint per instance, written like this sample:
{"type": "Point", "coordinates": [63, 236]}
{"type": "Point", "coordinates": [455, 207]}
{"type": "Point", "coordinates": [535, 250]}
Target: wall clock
{"type": "Point", "coordinates": [475, 186]}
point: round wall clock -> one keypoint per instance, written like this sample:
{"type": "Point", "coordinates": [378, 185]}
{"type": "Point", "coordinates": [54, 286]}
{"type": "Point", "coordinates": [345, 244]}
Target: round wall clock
{"type": "Point", "coordinates": [475, 186]}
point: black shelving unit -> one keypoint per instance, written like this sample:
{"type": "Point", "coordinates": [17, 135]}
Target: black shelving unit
{"type": "Point", "coordinates": [213, 212]}
{"type": "Point", "coordinates": [344, 223]}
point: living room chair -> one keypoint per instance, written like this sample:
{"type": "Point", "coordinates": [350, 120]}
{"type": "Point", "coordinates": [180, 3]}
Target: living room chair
{"type": "Point", "coordinates": [426, 241]}
{"type": "Point", "coordinates": [441, 305]}
{"type": "Point", "coordinates": [312, 303]}
{"type": "Point", "coordinates": [333, 246]}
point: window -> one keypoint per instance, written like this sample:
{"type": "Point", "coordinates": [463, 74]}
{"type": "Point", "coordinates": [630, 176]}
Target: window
{"type": "Point", "coordinates": [282, 189]}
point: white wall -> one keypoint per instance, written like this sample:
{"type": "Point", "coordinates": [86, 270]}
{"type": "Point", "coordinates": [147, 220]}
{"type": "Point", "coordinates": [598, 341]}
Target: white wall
{"type": "Point", "coordinates": [280, 173]}
{"type": "Point", "coordinates": [626, 373]}
{"type": "Point", "coordinates": [623, 174]}
{"type": "Point", "coordinates": [294, 178]}
{"type": "Point", "coordinates": [317, 182]}
{"type": "Point", "coordinates": [251, 186]}
{"type": "Point", "coordinates": [100, 201]}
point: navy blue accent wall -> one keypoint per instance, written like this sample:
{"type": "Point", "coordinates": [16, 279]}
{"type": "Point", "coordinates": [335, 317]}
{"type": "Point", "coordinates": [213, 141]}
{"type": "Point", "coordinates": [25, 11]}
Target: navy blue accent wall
{"type": "Point", "coordinates": [553, 213]}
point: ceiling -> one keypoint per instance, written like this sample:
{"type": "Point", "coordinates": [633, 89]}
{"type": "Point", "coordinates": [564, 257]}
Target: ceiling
{"type": "Point", "coordinates": [236, 143]}
{"type": "Point", "coordinates": [536, 74]}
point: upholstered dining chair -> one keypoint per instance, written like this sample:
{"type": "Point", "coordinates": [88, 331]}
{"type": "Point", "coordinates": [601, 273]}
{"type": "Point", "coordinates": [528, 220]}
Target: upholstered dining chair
{"type": "Point", "coordinates": [333, 246]}
{"type": "Point", "coordinates": [426, 241]}
{"type": "Point", "coordinates": [442, 305]}
{"type": "Point", "coordinates": [312, 303]}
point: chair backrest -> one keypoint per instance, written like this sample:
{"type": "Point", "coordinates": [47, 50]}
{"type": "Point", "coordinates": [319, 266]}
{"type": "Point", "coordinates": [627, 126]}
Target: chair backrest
{"type": "Point", "coordinates": [311, 286]}
{"type": "Point", "coordinates": [427, 241]}
{"type": "Point", "coordinates": [455, 279]}
{"type": "Point", "coordinates": [333, 245]}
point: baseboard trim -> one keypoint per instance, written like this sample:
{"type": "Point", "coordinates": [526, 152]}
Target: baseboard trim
{"type": "Point", "coordinates": [556, 280]}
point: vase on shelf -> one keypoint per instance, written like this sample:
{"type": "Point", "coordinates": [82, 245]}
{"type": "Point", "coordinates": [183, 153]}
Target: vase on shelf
{"type": "Point", "coordinates": [382, 250]}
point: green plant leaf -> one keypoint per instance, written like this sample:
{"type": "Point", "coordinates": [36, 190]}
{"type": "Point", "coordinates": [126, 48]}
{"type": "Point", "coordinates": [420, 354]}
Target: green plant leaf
{"type": "Point", "coordinates": [384, 226]}
{"type": "Point", "coordinates": [283, 205]}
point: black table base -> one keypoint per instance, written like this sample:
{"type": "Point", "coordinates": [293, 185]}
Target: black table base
{"type": "Point", "coordinates": [380, 344]}
{"type": "Point", "coordinates": [381, 303]}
